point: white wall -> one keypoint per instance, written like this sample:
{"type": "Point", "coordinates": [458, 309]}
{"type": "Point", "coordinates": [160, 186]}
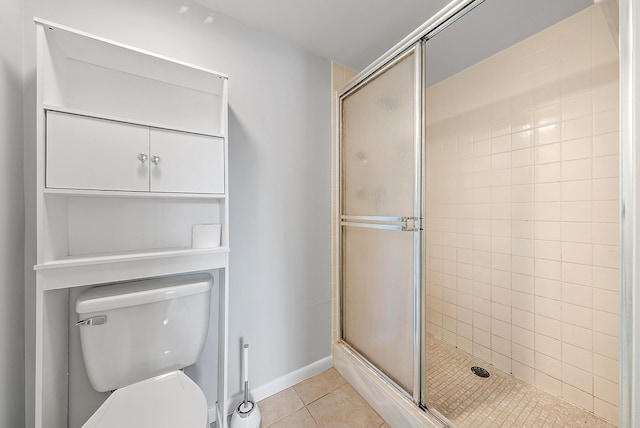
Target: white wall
{"type": "Point", "coordinates": [11, 217]}
{"type": "Point", "coordinates": [279, 154]}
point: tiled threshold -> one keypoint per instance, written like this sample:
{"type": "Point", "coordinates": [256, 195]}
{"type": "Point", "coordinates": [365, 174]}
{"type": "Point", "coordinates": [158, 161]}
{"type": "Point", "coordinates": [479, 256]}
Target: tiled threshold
{"type": "Point", "coordinates": [324, 401]}
{"type": "Point", "coordinates": [500, 400]}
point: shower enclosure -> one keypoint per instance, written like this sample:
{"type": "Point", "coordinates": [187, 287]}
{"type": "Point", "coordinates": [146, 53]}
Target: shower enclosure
{"type": "Point", "coordinates": [381, 212]}
{"type": "Point", "coordinates": [479, 214]}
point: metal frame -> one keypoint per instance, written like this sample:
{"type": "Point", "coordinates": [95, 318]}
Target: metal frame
{"type": "Point", "coordinates": [341, 95]}
{"type": "Point", "coordinates": [412, 44]}
{"type": "Point", "coordinates": [404, 224]}
{"type": "Point", "coordinates": [629, 230]}
{"type": "Point", "coordinates": [418, 236]}
{"type": "Point", "coordinates": [446, 16]}
{"type": "Point", "coordinates": [423, 248]}
{"type": "Point", "coordinates": [374, 218]}
{"type": "Point", "coordinates": [397, 227]}
{"type": "Point", "coordinates": [390, 223]}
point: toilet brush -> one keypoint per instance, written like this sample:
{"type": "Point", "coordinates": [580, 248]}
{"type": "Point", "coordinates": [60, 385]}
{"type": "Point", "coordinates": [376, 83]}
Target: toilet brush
{"type": "Point", "coordinates": [247, 414]}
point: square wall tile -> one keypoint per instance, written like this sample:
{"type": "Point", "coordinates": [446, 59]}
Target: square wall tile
{"type": "Point", "coordinates": [523, 210]}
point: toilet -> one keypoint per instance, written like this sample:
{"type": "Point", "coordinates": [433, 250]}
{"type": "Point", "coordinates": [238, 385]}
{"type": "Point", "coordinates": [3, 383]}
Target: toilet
{"type": "Point", "coordinates": [135, 338]}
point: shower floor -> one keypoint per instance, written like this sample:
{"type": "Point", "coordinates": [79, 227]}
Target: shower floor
{"type": "Point", "coordinates": [501, 400]}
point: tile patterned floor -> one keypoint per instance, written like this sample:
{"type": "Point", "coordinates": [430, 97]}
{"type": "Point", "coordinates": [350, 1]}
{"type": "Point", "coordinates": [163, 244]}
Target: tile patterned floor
{"type": "Point", "coordinates": [328, 401]}
{"type": "Point", "coordinates": [323, 401]}
{"type": "Point", "coordinates": [501, 400]}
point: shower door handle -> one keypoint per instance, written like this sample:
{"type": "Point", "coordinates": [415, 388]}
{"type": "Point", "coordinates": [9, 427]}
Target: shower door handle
{"type": "Point", "coordinates": [404, 224]}
{"type": "Point", "coordinates": [373, 225]}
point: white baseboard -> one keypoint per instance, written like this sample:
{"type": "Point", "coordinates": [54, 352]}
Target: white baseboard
{"type": "Point", "coordinates": [280, 384]}
{"type": "Point", "coordinates": [290, 379]}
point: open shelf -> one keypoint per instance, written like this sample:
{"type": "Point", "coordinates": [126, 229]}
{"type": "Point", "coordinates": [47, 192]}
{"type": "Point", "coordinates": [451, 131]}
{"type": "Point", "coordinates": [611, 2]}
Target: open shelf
{"type": "Point", "coordinates": [125, 194]}
{"type": "Point", "coordinates": [72, 261]}
{"type": "Point", "coordinates": [135, 86]}
{"type": "Point", "coordinates": [74, 271]}
{"type": "Point", "coordinates": [106, 53]}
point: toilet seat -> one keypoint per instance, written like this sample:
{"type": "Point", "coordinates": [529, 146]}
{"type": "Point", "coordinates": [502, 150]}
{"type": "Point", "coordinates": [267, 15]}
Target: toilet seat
{"type": "Point", "coordinates": [170, 400]}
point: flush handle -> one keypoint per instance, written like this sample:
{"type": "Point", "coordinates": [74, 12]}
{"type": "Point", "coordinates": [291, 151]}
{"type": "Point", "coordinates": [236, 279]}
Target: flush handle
{"type": "Point", "coordinates": [97, 320]}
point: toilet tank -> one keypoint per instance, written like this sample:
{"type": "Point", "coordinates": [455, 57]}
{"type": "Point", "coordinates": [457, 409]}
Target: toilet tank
{"type": "Point", "coordinates": [137, 330]}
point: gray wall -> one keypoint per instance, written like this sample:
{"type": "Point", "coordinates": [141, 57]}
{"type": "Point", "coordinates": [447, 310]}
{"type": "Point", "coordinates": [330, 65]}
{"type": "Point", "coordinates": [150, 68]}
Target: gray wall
{"type": "Point", "coordinates": [279, 153]}
{"type": "Point", "coordinates": [11, 217]}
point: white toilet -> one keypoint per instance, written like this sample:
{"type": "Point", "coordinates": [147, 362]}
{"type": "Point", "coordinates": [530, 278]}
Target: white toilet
{"type": "Point", "coordinates": [135, 337]}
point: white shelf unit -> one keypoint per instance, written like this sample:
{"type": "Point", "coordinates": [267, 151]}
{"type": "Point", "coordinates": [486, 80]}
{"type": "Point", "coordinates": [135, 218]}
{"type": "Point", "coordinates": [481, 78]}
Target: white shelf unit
{"type": "Point", "coordinates": [124, 194]}
{"type": "Point", "coordinates": [113, 118]}
{"type": "Point", "coordinates": [135, 86]}
{"type": "Point", "coordinates": [92, 230]}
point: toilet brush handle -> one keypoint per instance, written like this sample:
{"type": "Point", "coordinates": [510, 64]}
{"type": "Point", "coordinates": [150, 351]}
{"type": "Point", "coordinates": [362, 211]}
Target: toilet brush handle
{"type": "Point", "coordinates": [245, 372]}
{"type": "Point", "coordinates": [245, 364]}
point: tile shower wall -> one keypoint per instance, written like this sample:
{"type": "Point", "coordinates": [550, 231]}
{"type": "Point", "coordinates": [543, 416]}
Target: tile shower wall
{"type": "Point", "coordinates": [522, 211]}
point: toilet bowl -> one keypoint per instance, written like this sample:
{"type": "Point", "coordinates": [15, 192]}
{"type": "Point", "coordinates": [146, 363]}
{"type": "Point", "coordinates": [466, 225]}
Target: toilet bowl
{"type": "Point", "coordinates": [136, 337]}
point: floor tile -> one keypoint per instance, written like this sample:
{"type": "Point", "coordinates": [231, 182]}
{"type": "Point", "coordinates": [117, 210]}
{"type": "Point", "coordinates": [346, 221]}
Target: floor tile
{"type": "Point", "coordinates": [320, 385]}
{"type": "Point", "coordinates": [299, 419]}
{"type": "Point", "coordinates": [279, 406]}
{"type": "Point", "coordinates": [343, 408]}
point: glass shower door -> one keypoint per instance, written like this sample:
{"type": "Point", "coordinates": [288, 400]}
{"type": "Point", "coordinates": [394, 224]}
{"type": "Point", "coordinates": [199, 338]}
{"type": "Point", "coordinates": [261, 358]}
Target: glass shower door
{"type": "Point", "coordinates": [381, 211]}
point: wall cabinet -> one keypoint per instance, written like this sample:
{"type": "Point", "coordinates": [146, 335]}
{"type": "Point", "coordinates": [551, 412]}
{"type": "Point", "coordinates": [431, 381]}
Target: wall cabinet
{"type": "Point", "coordinates": [183, 162]}
{"type": "Point", "coordinates": [94, 154]}
{"type": "Point", "coordinates": [88, 153]}
{"type": "Point", "coordinates": [131, 154]}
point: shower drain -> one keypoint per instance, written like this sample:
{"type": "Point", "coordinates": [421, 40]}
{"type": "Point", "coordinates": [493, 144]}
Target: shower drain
{"type": "Point", "coordinates": [479, 371]}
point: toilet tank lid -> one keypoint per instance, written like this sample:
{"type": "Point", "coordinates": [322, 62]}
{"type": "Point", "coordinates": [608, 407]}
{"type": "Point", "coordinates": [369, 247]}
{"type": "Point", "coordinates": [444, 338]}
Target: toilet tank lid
{"type": "Point", "coordinates": [141, 292]}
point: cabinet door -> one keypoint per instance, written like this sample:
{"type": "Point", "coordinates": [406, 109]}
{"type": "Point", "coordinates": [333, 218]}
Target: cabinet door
{"type": "Point", "coordinates": [89, 153]}
{"type": "Point", "coordinates": [186, 163]}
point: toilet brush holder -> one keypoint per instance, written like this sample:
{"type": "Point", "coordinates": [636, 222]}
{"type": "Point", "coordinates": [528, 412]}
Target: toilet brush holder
{"type": "Point", "coordinates": [247, 414]}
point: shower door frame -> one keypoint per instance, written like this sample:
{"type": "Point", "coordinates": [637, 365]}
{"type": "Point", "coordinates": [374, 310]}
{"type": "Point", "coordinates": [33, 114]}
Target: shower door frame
{"type": "Point", "coordinates": [418, 205]}
{"type": "Point", "coordinates": [629, 26]}
{"type": "Point", "coordinates": [412, 44]}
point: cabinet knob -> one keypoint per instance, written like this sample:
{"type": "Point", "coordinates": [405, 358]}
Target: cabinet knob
{"type": "Point", "coordinates": [143, 157]}
{"type": "Point", "coordinates": [155, 159]}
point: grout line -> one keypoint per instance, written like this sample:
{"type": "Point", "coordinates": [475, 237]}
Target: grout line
{"type": "Point", "coordinates": [312, 418]}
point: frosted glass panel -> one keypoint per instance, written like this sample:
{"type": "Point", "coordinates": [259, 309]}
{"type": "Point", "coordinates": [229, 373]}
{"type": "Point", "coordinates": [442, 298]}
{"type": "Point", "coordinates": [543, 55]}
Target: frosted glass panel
{"type": "Point", "coordinates": [378, 158]}
{"type": "Point", "coordinates": [377, 292]}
